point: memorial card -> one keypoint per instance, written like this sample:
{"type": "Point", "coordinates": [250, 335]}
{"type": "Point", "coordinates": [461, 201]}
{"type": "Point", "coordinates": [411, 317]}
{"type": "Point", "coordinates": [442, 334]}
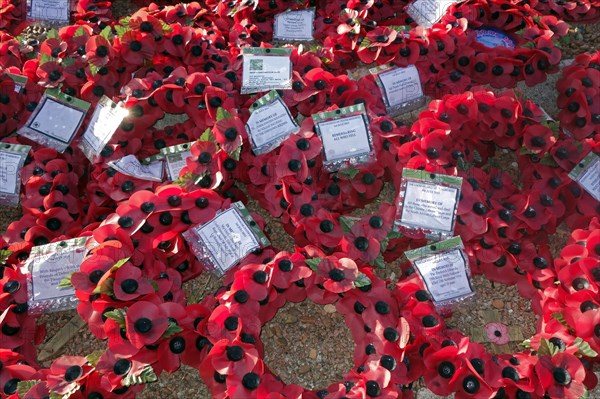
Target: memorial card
{"type": "Point", "coordinates": [270, 123]}
{"type": "Point", "coordinates": [428, 12]}
{"type": "Point", "coordinates": [428, 202]}
{"type": "Point", "coordinates": [444, 269]}
{"type": "Point", "coordinates": [48, 265]}
{"type": "Point", "coordinates": [105, 120]}
{"type": "Point", "coordinates": [12, 159]}
{"type": "Point", "coordinates": [131, 166]}
{"type": "Point", "coordinates": [294, 25]}
{"type": "Point", "coordinates": [52, 11]}
{"type": "Point", "coordinates": [400, 87]}
{"type": "Point", "coordinates": [587, 174]}
{"type": "Point", "coordinates": [345, 136]}
{"type": "Point", "coordinates": [55, 120]}
{"type": "Point", "coordinates": [224, 241]}
{"type": "Point", "coordinates": [266, 69]}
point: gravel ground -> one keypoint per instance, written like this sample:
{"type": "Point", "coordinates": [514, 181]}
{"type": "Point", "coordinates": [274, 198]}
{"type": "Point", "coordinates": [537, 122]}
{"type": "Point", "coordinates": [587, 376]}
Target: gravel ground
{"type": "Point", "coordinates": [309, 344]}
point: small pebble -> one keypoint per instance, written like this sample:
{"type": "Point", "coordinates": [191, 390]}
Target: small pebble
{"type": "Point", "coordinates": [498, 303]}
{"type": "Point", "coordinates": [329, 308]}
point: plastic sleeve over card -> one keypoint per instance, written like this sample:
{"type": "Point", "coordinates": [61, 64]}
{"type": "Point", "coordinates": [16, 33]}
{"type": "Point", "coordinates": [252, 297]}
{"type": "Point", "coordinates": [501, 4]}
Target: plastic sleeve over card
{"type": "Point", "coordinates": [12, 159]}
{"type": "Point", "coordinates": [300, 22]}
{"type": "Point", "coordinates": [414, 179]}
{"type": "Point", "coordinates": [256, 60]}
{"type": "Point", "coordinates": [103, 124]}
{"type": "Point", "coordinates": [210, 253]}
{"type": "Point", "coordinates": [366, 154]}
{"type": "Point", "coordinates": [73, 111]}
{"type": "Point", "coordinates": [587, 174]}
{"type": "Point", "coordinates": [278, 136]}
{"type": "Point", "coordinates": [427, 12]}
{"type": "Point", "coordinates": [50, 12]}
{"type": "Point", "coordinates": [451, 270]}
{"type": "Point", "coordinates": [70, 254]}
{"type": "Point", "coordinates": [415, 98]}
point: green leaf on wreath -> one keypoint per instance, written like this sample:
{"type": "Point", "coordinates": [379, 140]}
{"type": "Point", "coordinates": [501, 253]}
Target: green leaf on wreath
{"type": "Point", "coordinates": [379, 262]}
{"type": "Point", "coordinates": [147, 375]}
{"type": "Point", "coordinates": [94, 69]}
{"type": "Point", "coordinates": [66, 281]}
{"type": "Point", "coordinates": [547, 348]}
{"type": "Point", "coordinates": [93, 357]}
{"type": "Point", "coordinates": [184, 179]}
{"type": "Point", "coordinates": [172, 329]}
{"type": "Point", "coordinates": [208, 136]}
{"type": "Point", "coordinates": [313, 263]}
{"type": "Point", "coordinates": [80, 32]}
{"type": "Point", "coordinates": [346, 223]}
{"type": "Point", "coordinates": [222, 114]}
{"type": "Point", "coordinates": [4, 255]}
{"type": "Point", "coordinates": [121, 30]}
{"type": "Point", "coordinates": [107, 32]}
{"type": "Point", "coordinates": [365, 43]}
{"type": "Point", "coordinates": [393, 234]}
{"type": "Point", "coordinates": [118, 265]}
{"type": "Point", "coordinates": [236, 154]}
{"type": "Point", "coordinates": [384, 244]}
{"type": "Point", "coordinates": [154, 285]}
{"type": "Point", "coordinates": [349, 173]}
{"type": "Point", "coordinates": [54, 395]}
{"type": "Point", "coordinates": [24, 386]}
{"type": "Point", "coordinates": [44, 58]}
{"type": "Point", "coordinates": [166, 27]}
{"type": "Point", "coordinates": [118, 315]}
{"type": "Point", "coordinates": [477, 156]}
{"type": "Point", "coordinates": [463, 165]}
{"type": "Point", "coordinates": [362, 280]}
{"type": "Point", "coordinates": [558, 316]}
{"type": "Point", "coordinates": [106, 287]}
{"type": "Point", "coordinates": [584, 348]}
{"type": "Point", "coordinates": [52, 34]}
{"type": "Point", "coordinates": [586, 394]}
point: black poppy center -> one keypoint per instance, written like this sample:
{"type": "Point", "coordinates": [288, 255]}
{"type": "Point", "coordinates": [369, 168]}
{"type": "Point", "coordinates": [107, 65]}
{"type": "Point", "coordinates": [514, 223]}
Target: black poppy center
{"type": "Point", "coordinates": [471, 384]}
{"type": "Point", "coordinates": [361, 243]}
{"type": "Point", "coordinates": [336, 274]}
{"type": "Point", "coordinates": [260, 276]}
{"type": "Point", "coordinates": [102, 51]}
{"type": "Point", "coordinates": [235, 353]}
{"type": "Point", "coordinates": [446, 369]}
{"type": "Point", "coordinates": [122, 366]}
{"type": "Point", "coordinates": [135, 45]}
{"type": "Point", "coordinates": [326, 226]}
{"type": "Point", "coordinates": [129, 286]}
{"type": "Point", "coordinates": [142, 325]}
{"type": "Point", "coordinates": [230, 133]}
{"type": "Point", "coordinates": [561, 376]}
{"type": "Point", "coordinates": [177, 345]}
{"type": "Point", "coordinates": [251, 381]}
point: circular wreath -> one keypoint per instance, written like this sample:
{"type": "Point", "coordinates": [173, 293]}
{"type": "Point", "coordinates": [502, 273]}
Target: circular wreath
{"type": "Point", "coordinates": [184, 60]}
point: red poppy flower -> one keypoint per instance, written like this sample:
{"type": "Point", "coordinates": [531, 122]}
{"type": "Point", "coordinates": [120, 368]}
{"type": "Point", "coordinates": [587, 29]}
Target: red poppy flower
{"type": "Point", "coordinates": [115, 367]}
{"type": "Point", "coordinates": [339, 274]}
{"type": "Point", "coordinates": [50, 74]}
{"type": "Point", "coordinates": [561, 376]}
{"type": "Point", "coordinates": [230, 133]}
{"type": "Point", "coordinates": [358, 245]}
{"type": "Point", "coordinates": [135, 48]}
{"type": "Point", "coordinates": [67, 373]}
{"type": "Point", "coordinates": [145, 323]}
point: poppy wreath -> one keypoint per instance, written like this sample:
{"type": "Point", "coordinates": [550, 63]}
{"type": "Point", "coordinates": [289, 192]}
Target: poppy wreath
{"type": "Point", "coordinates": [448, 56]}
{"type": "Point", "coordinates": [576, 94]}
{"type": "Point", "coordinates": [93, 13]}
{"type": "Point", "coordinates": [190, 76]}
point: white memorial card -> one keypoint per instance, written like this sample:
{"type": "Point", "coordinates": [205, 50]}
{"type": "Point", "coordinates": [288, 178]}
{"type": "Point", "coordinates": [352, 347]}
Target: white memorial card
{"type": "Point", "coordinates": [9, 172]}
{"type": "Point", "coordinates": [48, 265]}
{"type": "Point", "coordinates": [228, 239]}
{"type": "Point", "coordinates": [345, 137]}
{"type": "Point", "coordinates": [445, 275]}
{"type": "Point", "coordinates": [428, 12]}
{"type": "Point", "coordinates": [176, 162]}
{"type": "Point", "coordinates": [131, 166]}
{"type": "Point", "coordinates": [269, 123]}
{"type": "Point", "coordinates": [48, 10]}
{"type": "Point", "coordinates": [105, 120]}
{"type": "Point", "coordinates": [294, 25]}
{"type": "Point", "coordinates": [429, 205]}
{"type": "Point", "coordinates": [587, 174]}
{"type": "Point", "coordinates": [266, 69]}
{"type": "Point", "coordinates": [401, 85]}
{"type": "Point", "coordinates": [57, 120]}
